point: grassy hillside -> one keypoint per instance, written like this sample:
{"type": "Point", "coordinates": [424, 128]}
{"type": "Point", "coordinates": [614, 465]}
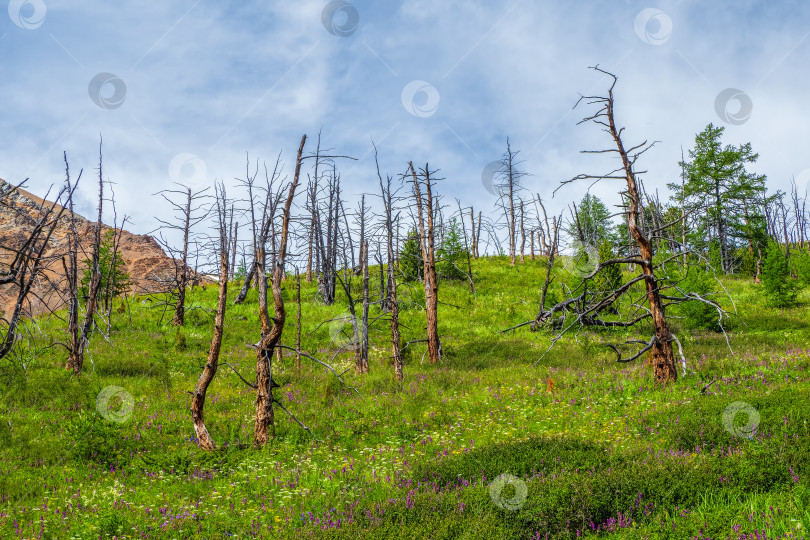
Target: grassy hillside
{"type": "Point", "coordinates": [600, 449]}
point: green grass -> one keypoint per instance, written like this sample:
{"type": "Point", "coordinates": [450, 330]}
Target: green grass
{"type": "Point", "coordinates": [601, 449]}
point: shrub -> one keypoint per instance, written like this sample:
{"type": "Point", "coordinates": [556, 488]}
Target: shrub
{"type": "Point", "coordinates": [696, 313]}
{"type": "Point", "coordinates": [800, 266]}
{"type": "Point", "coordinates": [780, 289]}
{"type": "Point", "coordinates": [609, 277]}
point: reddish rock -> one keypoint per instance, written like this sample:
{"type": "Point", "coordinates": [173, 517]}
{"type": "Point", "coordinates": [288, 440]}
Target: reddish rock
{"type": "Point", "coordinates": [148, 266]}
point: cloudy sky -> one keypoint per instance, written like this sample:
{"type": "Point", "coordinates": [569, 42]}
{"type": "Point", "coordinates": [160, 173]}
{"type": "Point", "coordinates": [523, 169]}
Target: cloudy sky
{"type": "Point", "coordinates": [182, 90]}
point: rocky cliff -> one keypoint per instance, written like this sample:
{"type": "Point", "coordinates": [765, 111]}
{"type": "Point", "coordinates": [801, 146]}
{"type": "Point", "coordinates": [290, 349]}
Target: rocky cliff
{"type": "Point", "coordinates": [148, 266]}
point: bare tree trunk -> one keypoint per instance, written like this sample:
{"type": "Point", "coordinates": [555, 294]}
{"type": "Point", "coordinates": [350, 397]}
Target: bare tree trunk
{"type": "Point", "coordinates": [364, 325]}
{"type": "Point", "coordinates": [662, 355]}
{"type": "Point", "coordinates": [522, 235]}
{"type": "Point", "coordinates": [210, 370]}
{"type": "Point", "coordinates": [531, 244]}
{"type": "Point", "coordinates": [466, 248]}
{"type": "Point", "coordinates": [473, 239]}
{"type": "Point", "coordinates": [309, 256]}
{"type": "Point", "coordinates": [180, 308]}
{"type": "Point", "coordinates": [393, 306]}
{"type": "Point", "coordinates": [235, 239]}
{"type": "Point", "coordinates": [429, 258]}
{"type": "Point", "coordinates": [76, 355]}
{"type": "Point", "coordinates": [511, 186]}
{"type": "Point", "coordinates": [298, 322]}
{"type": "Point", "coordinates": [683, 209]}
{"type": "Point", "coordinates": [111, 284]}
{"type": "Point", "coordinates": [246, 285]}
{"type": "Point", "coordinates": [25, 267]}
{"type": "Point", "coordinates": [264, 427]}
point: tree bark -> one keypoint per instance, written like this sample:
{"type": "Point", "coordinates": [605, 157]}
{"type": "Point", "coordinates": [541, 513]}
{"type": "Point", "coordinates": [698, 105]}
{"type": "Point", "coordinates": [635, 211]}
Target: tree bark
{"type": "Point", "coordinates": [180, 307]}
{"type": "Point", "coordinates": [429, 289]}
{"type": "Point", "coordinates": [210, 370]}
{"type": "Point", "coordinates": [663, 360]}
{"type": "Point", "coordinates": [264, 426]}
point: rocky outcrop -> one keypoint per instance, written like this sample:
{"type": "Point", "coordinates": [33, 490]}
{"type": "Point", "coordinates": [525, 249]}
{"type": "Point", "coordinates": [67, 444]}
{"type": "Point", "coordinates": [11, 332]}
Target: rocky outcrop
{"type": "Point", "coordinates": [150, 269]}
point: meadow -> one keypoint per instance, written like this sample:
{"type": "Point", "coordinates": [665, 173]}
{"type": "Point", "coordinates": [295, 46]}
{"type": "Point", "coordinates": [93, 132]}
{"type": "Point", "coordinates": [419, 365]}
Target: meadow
{"type": "Point", "coordinates": [482, 445]}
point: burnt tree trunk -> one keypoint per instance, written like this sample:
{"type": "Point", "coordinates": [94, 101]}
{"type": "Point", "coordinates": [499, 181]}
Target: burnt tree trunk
{"type": "Point", "coordinates": [204, 439]}
{"type": "Point", "coordinates": [426, 233]}
{"type": "Point", "coordinates": [76, 356]}
{"type": "Point", "coordinates": [180, 308]}
{"type": "Point", "coordinates": [663, 359]}
{"type": "Point", "coordinates": [264, 426]}
{"type": "Point", "coordinates": [392, 305]}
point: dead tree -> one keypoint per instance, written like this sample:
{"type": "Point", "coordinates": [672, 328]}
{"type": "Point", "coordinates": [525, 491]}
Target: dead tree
{"type": "Point", "coordinates": [392, 305]}
{"type": "Point", "coordinates": [80, 334]}
{"type": "Point", "coordinates": [544, 232]}
{"type": "Point", "coordinates": [508, 187]}
{"type": "Point", "coordinates": [326, 241]}
{"type": "Point", "coordinates": [204, 439]}
{"type": "Point", "coordinates": [588, 308]}
{"type": "Point", "coordinates": [110, 284]}
{"type": "Point", "coordinates": [298, 322]}
{"type": "Point", "coordinates": [234, 241]}
{"type": "Point", "coordinates": [425, 210]}
{"type": "Point", "coordinates": [189, 214]}
{"type": "Point", "coordinates": [800, 217]}
{"type": "Point", "coordinates": [264, 426]}
{"type": "Point", "coordinates": [522, 234]}
{"type": "Point", "coordinates": [467, 246]}
{"type": "Point", "coordinates": [474, 238]}
{"type": "Point", "coordinates": [364, 322]}
{"type": "Point", "coordinates": [364, 367]}
{"type": "Point", "coordinates": [27, 260]}
{"type": "Point", "coordinates": [345, 278]}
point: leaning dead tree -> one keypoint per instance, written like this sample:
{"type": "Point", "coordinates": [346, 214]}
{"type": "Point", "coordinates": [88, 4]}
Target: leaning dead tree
{"type": "Point", "coordinates": [189, 214]}
{"type": "Point", "coordinates": [204, 439]}
{"type": "Point", "coordinates": [588, 306]}
{"type": "Point", "coordinates": [264, 426]}
{"type": "Point", "coordinates": [425, 209]}
{"type": "Point", "coordinates": [27, 261]}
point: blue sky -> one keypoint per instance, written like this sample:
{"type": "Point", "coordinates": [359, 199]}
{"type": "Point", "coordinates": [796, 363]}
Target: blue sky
{"type": "Point", "coordinates": [208, 81]}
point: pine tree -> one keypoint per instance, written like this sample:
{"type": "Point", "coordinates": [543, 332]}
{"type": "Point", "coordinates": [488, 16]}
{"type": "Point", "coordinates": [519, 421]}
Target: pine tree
{"type": "Point", "coordinates": [594, 224]}
{"type": "Point", "coordinates": [410, 258]}
{"type": "Point", "coordinates": [726, 196]}
{"type": "Point", "coordinates": [452, 256]}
